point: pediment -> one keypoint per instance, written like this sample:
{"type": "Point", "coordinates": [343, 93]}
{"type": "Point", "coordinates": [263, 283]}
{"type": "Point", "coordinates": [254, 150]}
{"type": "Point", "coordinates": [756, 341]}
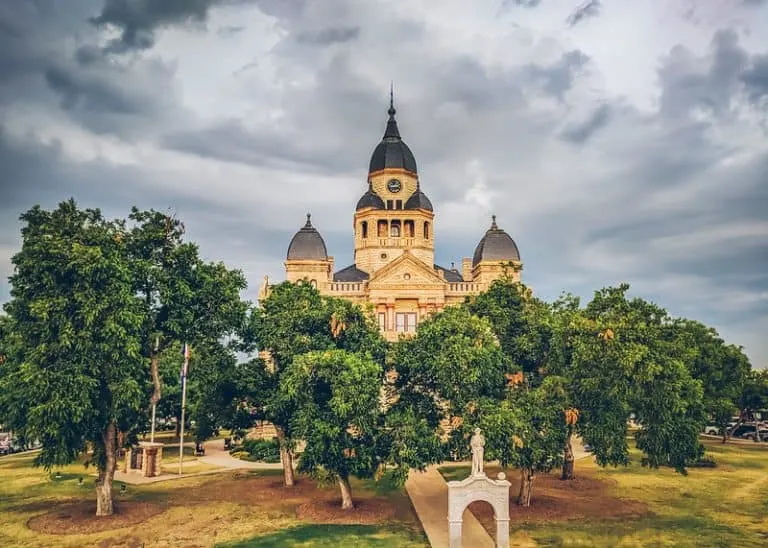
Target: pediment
{"type": "Point", "coordinates": [406, 270]}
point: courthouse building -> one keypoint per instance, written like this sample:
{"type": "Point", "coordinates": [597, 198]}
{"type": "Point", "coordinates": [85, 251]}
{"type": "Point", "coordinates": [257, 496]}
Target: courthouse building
{"type": "Point", "coordinates": [394, 248]}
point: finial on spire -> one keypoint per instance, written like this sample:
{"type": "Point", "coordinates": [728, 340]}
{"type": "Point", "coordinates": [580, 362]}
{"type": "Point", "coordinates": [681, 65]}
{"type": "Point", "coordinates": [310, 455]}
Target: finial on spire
{"type": "Point", "coordinates": [391, 110]}
{"type": "Point", "coordinates": [493, 222]}
{"type": "Point", "coordinates": [309, 223]}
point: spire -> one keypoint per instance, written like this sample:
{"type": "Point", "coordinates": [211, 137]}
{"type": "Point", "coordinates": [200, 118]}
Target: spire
{"type": "Point", "coordinates": [392, 131]}
{"type": "Point", "coordinates": [493, 223]}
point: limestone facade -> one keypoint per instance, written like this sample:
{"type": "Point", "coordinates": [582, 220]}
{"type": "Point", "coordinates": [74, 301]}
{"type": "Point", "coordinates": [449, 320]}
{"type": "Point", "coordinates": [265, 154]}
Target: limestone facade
{"type": "Point", "coordinates": [394, 270]}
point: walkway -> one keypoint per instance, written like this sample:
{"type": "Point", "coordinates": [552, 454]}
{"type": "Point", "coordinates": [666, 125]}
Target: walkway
{"type": "Point", "coordinates": [215, 455]}
{"type": "Point", "coordinates": [429, 494]}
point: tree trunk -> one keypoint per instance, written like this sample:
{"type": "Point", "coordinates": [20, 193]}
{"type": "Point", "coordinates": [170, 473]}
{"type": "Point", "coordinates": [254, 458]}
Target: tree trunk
{"type": "Point", "coordinates": [286, 457]}
{"type": "Point", "coordinates": [725, 433]}
{"type": "Point", "coordinates": [526, 487]}
{"type": "Point", "coordinates": [568, 458]}
{"type": "Point", "coordinates": [104, 506]}
{"type": "Point", "coordinates": [346, 494]}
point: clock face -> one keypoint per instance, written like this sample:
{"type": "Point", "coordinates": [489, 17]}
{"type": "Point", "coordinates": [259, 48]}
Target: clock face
{"type": "Point", "coordinates": [394, 185]}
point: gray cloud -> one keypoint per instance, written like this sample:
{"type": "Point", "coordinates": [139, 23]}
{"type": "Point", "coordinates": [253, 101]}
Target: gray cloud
{"type": "Point", "coordinates": [138, 19]}
{"type": "Point", "coordinates": [557, 79]}
{"type": "Point", "coordinates": [667, 195]}
{"type": "Point", "coordinates": [756, 79]}
{"type": "Point", "coordinates": [589, 9]}
{"type": "Point", "coordinates": [522, 3]}
{"type": "Point", "coordinates": [324, 37]}
{"type": "Point", "coordinates": [580, 133]}
{"type": "Point", "coordinates": [686, 86]}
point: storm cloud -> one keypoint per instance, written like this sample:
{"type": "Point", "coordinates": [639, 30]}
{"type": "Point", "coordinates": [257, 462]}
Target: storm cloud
{"type": "Point", "coordinates": [629, 144]}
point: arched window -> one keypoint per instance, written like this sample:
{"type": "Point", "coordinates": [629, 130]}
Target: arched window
{"type": "Point", "coordinates": [394, 229]}
{"type": "Point", "coordinates": [408, 230]}
{"type": "Point", "coordinates": [364, 229]}
{"type": "Point", "coordinates": [426, 230]}
{"type": "Point", "coordinates": [382, 229]}
{"type": "Point", "coordinates": [313, 283]}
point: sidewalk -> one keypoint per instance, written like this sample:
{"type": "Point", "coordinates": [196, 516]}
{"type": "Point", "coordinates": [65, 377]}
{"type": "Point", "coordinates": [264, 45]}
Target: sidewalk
{"type": "Point", "coordinates": [429, 495]}
{"type": "Point", "coordinates": [215, 455]}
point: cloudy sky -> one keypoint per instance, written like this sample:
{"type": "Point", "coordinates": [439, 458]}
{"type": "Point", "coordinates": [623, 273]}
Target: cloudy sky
{"type": "Point", "coordinates": [615, 141]}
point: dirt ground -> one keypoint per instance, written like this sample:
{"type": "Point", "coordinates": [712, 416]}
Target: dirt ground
{"type": "Point", "coordinates": [554, 499]}
{"type": "Point", "coordinates": [78, 518]}
{"type": "Point", "coordinates": [305, 500]}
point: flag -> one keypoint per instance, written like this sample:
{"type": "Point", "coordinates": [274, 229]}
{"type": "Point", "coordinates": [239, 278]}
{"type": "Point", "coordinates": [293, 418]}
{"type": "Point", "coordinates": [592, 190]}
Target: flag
{"type": "Point", "coordinates": [185, 365]}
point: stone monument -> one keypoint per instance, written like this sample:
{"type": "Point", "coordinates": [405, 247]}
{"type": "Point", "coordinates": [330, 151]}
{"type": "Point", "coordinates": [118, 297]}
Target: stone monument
{"type": "Point", "coordinates": [145, 459]}
{"type": "Point", "coordinates": [476, 487]}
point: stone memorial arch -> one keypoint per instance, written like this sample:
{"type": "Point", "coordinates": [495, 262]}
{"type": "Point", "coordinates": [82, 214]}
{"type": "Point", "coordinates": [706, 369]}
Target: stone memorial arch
{"type": "Point", "coordinates": [478, 487]}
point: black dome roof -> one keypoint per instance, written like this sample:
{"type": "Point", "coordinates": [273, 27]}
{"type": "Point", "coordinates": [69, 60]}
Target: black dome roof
{"type": "Point", "coordinates": [496, 245]}
{"type": "Point", "coordinates": [418, 200]}
{"type": "Point", "coordinates": [307, 244]}
{"type": "Point", "coordinates": [370, 199]}
{"type": "Point", "coordinates": [392, 152]}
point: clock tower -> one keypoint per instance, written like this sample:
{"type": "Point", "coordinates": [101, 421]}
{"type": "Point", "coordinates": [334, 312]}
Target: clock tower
{"type": "Point", "coordinates": [394, 215]}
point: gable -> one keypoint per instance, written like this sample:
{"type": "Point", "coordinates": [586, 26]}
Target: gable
{"type": "Point", "coordinates": [405, 270]}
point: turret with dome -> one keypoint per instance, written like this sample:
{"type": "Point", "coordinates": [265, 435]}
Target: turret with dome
{"type": "Point", "coordinates": [394, 268]}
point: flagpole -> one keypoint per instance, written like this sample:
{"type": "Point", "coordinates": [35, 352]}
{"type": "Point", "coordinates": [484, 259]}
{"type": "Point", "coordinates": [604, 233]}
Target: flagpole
{"type": "Point", "coordinates": [154, 403]}
{"type": "Point", "coordinates": [183, 404]}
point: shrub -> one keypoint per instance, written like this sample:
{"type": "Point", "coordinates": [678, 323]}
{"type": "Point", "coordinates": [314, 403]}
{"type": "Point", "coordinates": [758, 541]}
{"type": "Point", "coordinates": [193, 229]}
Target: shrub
{"type": "Point", "coordinates": [703, 462]}
{"type": "Point", "coordinates": [258, 450]}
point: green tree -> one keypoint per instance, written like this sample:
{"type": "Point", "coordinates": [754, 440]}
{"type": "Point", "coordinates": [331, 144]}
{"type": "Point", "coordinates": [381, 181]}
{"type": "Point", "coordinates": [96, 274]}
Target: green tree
{"type": "Point", "coordinates": [184, 298]}
{"type": "Point", "coordinates": [666, 399]}
{"type": "Point", "coordinates": [453, 361]}
{"type": "Point", "coordinates": [721, 411]}
{"type": "Point", "coordinates": [335, 395]}
{"type": "Point", "coordinates": [75, 375]}
{"type": "Point", "coordinates": [754, 396]}
{"type": "Point", "coordinates": [526, 430]}
{"type": "Point", "coordinates": [293, 320]}
{"type": "Point", "coordinates": [519, 321]}
{"type": "Point", "coordinates": [721, 368]}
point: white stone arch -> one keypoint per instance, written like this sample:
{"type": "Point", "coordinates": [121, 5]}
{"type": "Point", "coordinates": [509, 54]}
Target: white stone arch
{"type": "Point", "coordinates": [478, 487]}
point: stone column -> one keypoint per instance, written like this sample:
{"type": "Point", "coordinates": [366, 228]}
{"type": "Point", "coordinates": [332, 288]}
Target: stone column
{"type": "Point", "coordinates": [502, 533]}
{"type": "Point", "coordinates": [391, 317]}
{"type": "Point", "coordinates": [454, 534]}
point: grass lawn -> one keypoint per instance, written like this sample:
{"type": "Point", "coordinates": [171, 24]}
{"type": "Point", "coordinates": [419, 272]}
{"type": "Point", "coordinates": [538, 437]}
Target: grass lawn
{"type": "Point", "coordinates": [232, 508]}
{"type": "Point", "coordinates": [635, 506]}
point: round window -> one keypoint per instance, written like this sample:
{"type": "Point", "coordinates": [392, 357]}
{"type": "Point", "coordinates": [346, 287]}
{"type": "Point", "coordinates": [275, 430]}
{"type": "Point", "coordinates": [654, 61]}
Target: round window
{"type": "Point", "coordinates": [406, 276]}
{"type": "Point", "coordinates": [383, 255]}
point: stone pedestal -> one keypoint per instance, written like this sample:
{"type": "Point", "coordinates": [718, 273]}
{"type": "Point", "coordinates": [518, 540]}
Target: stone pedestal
{"type": "Point", "coordinates": [145, 459]}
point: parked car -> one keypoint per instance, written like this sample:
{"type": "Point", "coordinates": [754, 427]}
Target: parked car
{"type": "Point", "coordinates": [712, 430]}
{"type": "Point", "coordinates": [747, 432]}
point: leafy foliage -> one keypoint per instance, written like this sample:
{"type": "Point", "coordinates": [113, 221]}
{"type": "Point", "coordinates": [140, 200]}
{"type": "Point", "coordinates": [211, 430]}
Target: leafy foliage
{"type": "Point", "coordinates": [336, 397]}
{"type": "Point", "coordinates": [260, 450]}
{"type": "Point", "coordinates": [527, 429]}
{"type": "Point", "coordinates": [453, 361]}
{"type": "Point", "coordinates": [76, 326]}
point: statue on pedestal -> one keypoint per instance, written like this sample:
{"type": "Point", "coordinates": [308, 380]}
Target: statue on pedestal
{"type": "Point", "coordinates": [477, 443]}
